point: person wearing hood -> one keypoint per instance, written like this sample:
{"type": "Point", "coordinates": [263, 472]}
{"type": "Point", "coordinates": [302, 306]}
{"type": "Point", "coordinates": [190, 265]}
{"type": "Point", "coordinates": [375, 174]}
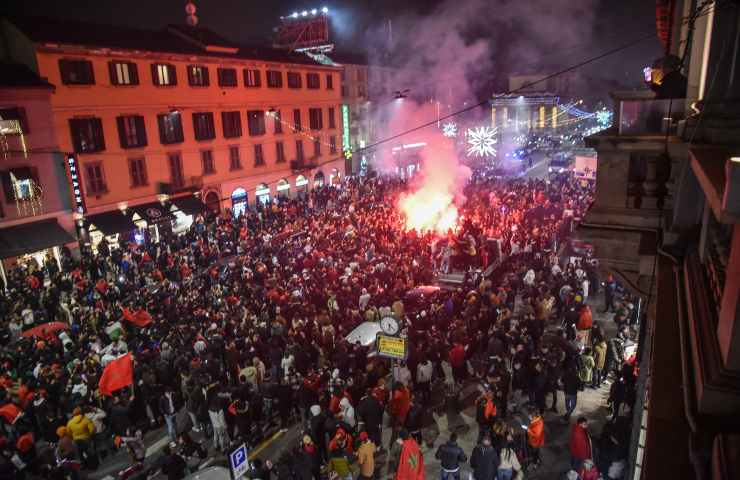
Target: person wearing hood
{"type": "Point", "coordinates": [316, 428]}
{"type": "Point", "coordinates": [366, 457]}
{"type": "Point", "coordinates": [450, 456]}
{"type": "Point", "coordinates": [347, 412]}
{"type": "Point", "coordinates": [370, 412]}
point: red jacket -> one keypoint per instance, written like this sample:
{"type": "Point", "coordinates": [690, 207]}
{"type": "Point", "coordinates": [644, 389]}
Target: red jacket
{"type": "Point", "coordinates": [401, 403]}
{"type": "Point", "coordinates": [457, 356]}
{"type": "Point", "coordinates": [580, 443]}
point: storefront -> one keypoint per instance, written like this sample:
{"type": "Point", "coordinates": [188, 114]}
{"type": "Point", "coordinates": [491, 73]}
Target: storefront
{"type": "Point", "coordinates": [212, 201]}
{"type": "Point", "coordinates": [318, 179]}
{"type": "Point", "coordinates": [114, 226]}
{"type": "Point", "coordinates": [283, 188]}
{"type": "Point", "coordinates": [31, 243]}
{"type": "Point", "coordinates": [153, 220]}
{"type": "Point", "coordinates": [184, 209]}
{"type": "Point", "coordinates": [239, 202]}
{"type": "Point", "coordinates": [335, 179]}
{"type": "Point", "coordinates": [262, 193]}
{"type": "Point", "coordinates": [301, 185]}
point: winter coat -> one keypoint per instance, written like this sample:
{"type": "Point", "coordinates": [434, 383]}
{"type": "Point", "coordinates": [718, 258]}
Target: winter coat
{"type": "Point", "coordinates": [600, 355]}
{"type": "Point", "coordinates": [587, 368]}
{"type": "Point", "coordinates": [80, 427]}
{"type": "Point", "coordinates": [370, 411]}
{"type": "Point", "coordinates": [484, 462]}
{"type": "Point", "coordinates": [450, 456]}
{"type": "Point", "coordinates": [536, 432]}
{"type": "Point", "coordinates": [580, 443]}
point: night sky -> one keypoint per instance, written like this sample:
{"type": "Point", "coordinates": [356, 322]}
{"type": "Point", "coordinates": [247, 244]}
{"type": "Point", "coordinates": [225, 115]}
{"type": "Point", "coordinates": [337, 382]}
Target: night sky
{"type": "Point", "coordinates": [613, 22]}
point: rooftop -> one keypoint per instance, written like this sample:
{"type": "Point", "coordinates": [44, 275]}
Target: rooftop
{"type": "Point", "coordinates": [178, 39]}
{"type": "Point", "coordinates": [17, 75]}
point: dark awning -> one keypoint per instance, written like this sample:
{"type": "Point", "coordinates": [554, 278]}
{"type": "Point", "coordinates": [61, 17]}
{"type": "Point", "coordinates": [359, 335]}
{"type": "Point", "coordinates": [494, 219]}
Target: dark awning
{"type": "Point", "coordinates": [112, 222]}
{"type": "Point", "coordinates": [189, 204]}
{"type": "Point", "coordinates": [151, 212]}
{"type": "Point", "coordinates": [32, 237]}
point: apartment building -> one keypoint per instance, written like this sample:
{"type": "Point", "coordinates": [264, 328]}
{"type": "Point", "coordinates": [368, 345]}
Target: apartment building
{"type": "Point", "coordinates": [36, 202]}
{"type": "Point", "coordinates": [158, 118]}
{"type": "Point", "coordinates": [665, 221]}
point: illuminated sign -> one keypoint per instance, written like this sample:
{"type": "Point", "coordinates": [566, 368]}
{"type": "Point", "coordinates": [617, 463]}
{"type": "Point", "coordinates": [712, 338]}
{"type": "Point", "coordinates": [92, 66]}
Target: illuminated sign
{"type": "Point", "coordinates": [345, 132]}
{"type": "Point", "coordinates": [76, 182]}
{"type": "Point", "coordinates": [391, 347]}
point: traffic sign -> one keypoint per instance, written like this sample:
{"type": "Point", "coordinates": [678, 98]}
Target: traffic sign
{"type": "Point", "coordinates": [239, 462]}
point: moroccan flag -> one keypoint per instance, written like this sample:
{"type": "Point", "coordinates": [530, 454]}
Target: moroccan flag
{"type": "Point", "coordinates": [117, 374]}
{"type": "Point", "coordinates": [10, 412]}
{"type": "Point", "coordinates": [141, 318]}
{"type": "Point", "coordinates": [411, 464]}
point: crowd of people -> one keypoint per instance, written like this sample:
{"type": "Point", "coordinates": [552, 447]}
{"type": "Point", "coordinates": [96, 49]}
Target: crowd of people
{"type": "Point", "coordinates": [239, 324]}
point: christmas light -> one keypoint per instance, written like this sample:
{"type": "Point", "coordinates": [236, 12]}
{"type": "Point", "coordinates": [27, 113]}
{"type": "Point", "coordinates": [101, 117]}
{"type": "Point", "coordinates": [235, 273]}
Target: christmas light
{"type": "Point", "coordinates": [449, 129]}
{"type": "Point", "coordinates": [481, 141]}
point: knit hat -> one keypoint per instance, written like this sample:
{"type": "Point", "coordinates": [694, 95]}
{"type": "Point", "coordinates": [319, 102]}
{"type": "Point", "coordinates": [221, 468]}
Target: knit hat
{"type": "Point", "coordinates": [362, 436]}
{"type": "Point", "coordinates": [315, 410]}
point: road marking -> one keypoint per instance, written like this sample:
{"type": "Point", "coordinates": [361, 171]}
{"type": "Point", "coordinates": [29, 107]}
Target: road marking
{"type": "Point", "coordinates": [265, 444]}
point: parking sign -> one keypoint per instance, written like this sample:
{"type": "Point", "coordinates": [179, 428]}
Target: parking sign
{"type": "Point", "coordinates": [239, 462]}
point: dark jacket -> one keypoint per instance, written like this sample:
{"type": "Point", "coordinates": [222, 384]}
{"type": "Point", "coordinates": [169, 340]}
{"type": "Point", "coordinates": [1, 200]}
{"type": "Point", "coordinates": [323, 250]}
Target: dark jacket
{"type": "Point", "coordinates": [450, 455]}
{"type": "Point", "coordinates": [370, 411]}
{"type": "Point", "coordinates": [484, 462]}
{"type": "Point", "coordinates": [571, 382]}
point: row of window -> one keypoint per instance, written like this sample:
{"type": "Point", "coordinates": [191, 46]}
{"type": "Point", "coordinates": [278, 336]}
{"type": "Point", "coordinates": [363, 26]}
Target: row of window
{"type": "Point", "coordinates": [97, 185]}
{"type": "Point", "coordinates": [88, 137]}
{"type": "Point", "coordinates": [80, 72]}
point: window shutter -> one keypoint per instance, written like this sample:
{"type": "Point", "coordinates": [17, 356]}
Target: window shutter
{"type": "Point", "coordinates": [133, 73]}
{"type": "Point", "coordinates": [64, 70]}
{"type": "Point", "coordinates": [160, 124]}
{"type": "Point", "coordinates": [155, 77]}
{"type": "Point", "coordinates": [7, 187]}
{"type": "Point", "coordinates": [99, 138]}
{"type": "Point", "coordinates": [112, 72]}
{"type": "Point", "coordinates": [74, 128]}
{"type": "Point", "coordinates": [141, 131]}
{"type": "Point", "coordinates": [178, 129]}
{"type": "Point", "coordinates": [172, 74]}
{"type": "Point", "coordinates": [206, 78]}
{"type": "Point", "coordinates": [121, 121]}
{"type": "Point", "coordinates": [90, 72]}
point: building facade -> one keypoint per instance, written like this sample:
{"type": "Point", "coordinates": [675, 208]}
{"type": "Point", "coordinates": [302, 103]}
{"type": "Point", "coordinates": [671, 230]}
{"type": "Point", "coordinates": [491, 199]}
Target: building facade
{"type": "Point", "coordinates": [153, 116]}
{"type": "Point", "coordinates": [35, 206]}
{"type": "Point", "coordinates": [666, 220]}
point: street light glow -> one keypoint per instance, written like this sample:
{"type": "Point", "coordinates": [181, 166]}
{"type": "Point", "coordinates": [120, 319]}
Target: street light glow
{"type": "Point", "coordinates": [304, 13]}
{"type": "Point", "coordinates": [314, 11]}
{"type": "Point", "coordinates": [295, 15]}
{"type": "Point", "coordinates": [325, 10]}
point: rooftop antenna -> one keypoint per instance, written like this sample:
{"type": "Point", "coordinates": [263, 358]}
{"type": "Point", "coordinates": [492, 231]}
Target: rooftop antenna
{"type": "Point", "coordinates": [191, 18]}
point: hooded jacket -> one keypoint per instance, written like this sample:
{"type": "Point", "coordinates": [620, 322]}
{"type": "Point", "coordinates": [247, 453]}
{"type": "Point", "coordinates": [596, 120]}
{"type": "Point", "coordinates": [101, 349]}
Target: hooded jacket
{"type": "Point", "coordinates": [80, 427]}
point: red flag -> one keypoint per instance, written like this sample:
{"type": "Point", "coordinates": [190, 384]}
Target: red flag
{"type": "Point", "coordinates": [141, 318]}
{"type": "Point", "coordinates": [117, 374]}
{"type": "Point", "coordinates": [10, 412]}
{"type": "Point", "coordinates": [411, 464]}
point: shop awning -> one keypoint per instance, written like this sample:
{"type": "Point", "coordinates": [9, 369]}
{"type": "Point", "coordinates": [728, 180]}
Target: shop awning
{"type": "Point", "coordinates": [151, 212]}
{"type": "Point", "coordinates": [112, 222]}
{"type": "Point", "coordinates": [189, 204]}
{"type": "Point", "coordinates": [32, 237]}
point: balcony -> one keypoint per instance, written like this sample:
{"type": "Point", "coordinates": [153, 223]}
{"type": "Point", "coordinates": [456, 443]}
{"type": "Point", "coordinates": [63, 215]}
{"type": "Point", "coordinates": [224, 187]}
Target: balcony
{"type": "Point", "coordinates": [647, 116]}
{"type": "Point", "coordinates": [301, 165]}
{"type": "Point", "coordinates": [191, 184]}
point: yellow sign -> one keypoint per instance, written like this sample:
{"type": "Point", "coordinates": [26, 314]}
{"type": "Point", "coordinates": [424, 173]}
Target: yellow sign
{"type": "Point", "coordinates": [391, 347]}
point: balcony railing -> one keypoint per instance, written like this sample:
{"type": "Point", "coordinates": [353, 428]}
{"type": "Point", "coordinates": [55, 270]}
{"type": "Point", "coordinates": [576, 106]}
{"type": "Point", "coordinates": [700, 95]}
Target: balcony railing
{"type": "Point", "coordinates": [640, 113]}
